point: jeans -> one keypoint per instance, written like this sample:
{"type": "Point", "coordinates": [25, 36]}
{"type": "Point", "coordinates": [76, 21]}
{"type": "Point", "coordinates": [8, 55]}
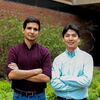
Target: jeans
{"type": "Point", "coordinates": [40, 96]}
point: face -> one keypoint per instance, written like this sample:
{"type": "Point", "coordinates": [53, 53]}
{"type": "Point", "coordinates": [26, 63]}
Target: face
{"type": "Point", "coordinates": [31, 31]}
{"type": "Point", "coordinates": [71, 39]}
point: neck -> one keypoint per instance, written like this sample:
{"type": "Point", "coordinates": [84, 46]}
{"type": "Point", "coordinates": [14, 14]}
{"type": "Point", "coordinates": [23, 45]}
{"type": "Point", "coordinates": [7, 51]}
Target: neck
{"type": "Point", "coordinates": [71, 50]}
{"type": "Point", "coordinates": [29, 43]}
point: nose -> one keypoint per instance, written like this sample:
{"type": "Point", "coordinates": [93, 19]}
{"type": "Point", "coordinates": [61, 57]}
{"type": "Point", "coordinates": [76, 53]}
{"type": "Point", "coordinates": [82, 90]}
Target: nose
{"type": "Point", "coordinates": [70, 37]}
{"type": "Point", "coordinates": [32, 30]}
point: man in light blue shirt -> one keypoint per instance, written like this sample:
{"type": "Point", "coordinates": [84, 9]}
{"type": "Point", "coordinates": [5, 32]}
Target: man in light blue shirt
{"type": "Point", "coordinates": [73, 69]}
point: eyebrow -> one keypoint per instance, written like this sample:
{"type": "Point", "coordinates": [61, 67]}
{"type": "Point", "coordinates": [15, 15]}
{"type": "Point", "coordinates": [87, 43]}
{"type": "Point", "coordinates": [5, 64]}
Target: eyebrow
{"type": "Point", "coordinates": [36, 29]}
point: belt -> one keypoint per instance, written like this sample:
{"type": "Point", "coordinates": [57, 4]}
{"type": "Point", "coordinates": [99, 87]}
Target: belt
{"type": "Point", "coordinates": [28, 93]}
{"type": "Point", "coordinates": [60, 98]}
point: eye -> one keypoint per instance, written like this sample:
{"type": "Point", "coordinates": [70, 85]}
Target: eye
{"type": "Point", "coordinates": [29, 28]}
{"type": "Point", "coordinates": [74, 35]}
{"type": "Point", "coordinates": [35, 29]}
{"type": "Point", "coordinates": [67, 35]}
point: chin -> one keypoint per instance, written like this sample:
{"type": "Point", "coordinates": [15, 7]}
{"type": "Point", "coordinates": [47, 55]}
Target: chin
{"type": "Point", "coordinates": [31, 39]}
{"type": "Point", "coordinates": [71, 47]}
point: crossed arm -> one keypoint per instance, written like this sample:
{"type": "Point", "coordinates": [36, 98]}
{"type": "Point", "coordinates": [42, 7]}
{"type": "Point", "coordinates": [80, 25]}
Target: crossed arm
{"type": "Point", "coordinates": [34, 75]}
{"type": "Point", "coordinates": [69, 82]}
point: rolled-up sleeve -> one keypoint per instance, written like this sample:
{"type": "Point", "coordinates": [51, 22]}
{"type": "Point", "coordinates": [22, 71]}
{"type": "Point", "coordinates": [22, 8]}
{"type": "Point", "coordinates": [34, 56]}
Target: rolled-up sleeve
{"type": "Point", "coordinates": [46, 62]}
{"type": "Point", "coordinates": [11, 58]}
{"type": "Point", "coordinates": [56, 82]}
{"type": "Point", "coordinates": [83, 80]}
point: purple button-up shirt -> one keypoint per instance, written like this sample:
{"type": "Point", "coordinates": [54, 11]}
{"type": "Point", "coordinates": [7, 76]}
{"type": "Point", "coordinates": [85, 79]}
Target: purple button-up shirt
{"type": "Point", "coordinates": [35, 57]}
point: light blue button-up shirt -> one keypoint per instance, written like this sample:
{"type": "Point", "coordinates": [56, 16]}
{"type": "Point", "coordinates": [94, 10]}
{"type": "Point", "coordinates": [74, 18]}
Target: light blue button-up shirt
{"type": "Point", "coordinates": [72, 74]}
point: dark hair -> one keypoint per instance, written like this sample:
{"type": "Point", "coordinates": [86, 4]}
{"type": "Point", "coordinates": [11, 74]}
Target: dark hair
{"type": "Point", "coordinates": [31, 19]}
{"type": "Point", "coordinates": [72, 27]}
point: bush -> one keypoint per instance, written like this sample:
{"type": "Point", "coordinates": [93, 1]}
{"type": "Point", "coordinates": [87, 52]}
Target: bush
{"type": "Point", "coordinates": [51, 38]}
{"type": "Point", "coordinates": [94, 89]}
{"type": "Point", "coordinates": [5, 90]}
{"type": "Point", "coordinates": [50, 93]}
{"type": "Point", "coordinates": [10, 35]}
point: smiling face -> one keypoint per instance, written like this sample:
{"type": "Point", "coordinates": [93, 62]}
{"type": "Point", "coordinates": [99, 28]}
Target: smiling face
{"type": "Point", "coordinates": [71, 39]}
{"type": "Point", "coordinates": [31, 31]}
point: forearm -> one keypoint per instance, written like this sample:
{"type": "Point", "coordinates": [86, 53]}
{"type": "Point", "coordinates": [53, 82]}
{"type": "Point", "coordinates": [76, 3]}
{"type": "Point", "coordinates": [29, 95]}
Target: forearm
{"type": "Point", "coordinates": [78, 82]}
{"type": "Point", "coordinates": [39, 78]}
{"type": "Point", "coordinates": [58, 85]}
{"type": "Point", "coordinates": [23, 74]}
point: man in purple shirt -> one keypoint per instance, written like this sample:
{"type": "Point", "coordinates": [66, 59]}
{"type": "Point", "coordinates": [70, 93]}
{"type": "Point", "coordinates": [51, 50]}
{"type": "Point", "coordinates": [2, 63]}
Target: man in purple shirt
{"type": "Point", "coordinates": [29, 64]}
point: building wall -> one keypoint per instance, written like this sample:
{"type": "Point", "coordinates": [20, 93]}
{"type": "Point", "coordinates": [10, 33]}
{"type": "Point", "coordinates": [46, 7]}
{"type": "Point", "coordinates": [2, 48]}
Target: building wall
{"type": "Point", "coordinates": [47, 15]}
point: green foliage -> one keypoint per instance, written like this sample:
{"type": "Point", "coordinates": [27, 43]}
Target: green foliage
{"type": "Point", "coordinates": [94, 89]}
{"type": "Point", "coordinates": [5, 90]}
{"type": "Point", "coordinates": [51, 38]}
{"type": "Point", "coordinates": [10, 35]}
{"type": "Point", "coordinates": [50, 93]}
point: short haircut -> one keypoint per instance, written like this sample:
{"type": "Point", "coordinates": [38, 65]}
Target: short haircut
{"type": "Point", "coordinates": [72, 27]}
{"type": "Point", "coordinates": [30, 20]}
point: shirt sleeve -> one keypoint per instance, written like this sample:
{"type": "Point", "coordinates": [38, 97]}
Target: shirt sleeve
{"type": "Point", "coordinates": [83, 80]}
{"type": "Point", "coordinates": [46, 62]}
{"type": "Point", "coordinates": [56, 81]}
{"type": "Point", "coordinates": [11, 58]}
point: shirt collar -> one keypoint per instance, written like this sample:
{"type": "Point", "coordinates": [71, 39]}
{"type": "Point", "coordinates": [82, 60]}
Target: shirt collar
{"type": "Point", "coordinates": [24, 44]}
{"type": "Point", "coordinates": [71, 55]}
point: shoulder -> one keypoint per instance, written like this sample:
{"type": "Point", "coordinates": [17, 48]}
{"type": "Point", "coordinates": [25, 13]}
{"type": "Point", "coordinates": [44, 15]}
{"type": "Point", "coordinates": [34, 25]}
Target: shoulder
{"type": "Point", "coordinates": [60, 57]}
{"type": "Point", "coordinates": [59, 60]}
{"type": "Point", "coordinates": [16, 48]}
{"type": "Point", "coordinates": [43, 50]}
{"type": "Point", "coordinates": [85, 54]}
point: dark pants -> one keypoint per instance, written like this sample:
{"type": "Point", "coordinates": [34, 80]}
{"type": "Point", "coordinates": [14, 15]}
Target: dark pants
{"type": "Point", "coordinates": [60, 98]}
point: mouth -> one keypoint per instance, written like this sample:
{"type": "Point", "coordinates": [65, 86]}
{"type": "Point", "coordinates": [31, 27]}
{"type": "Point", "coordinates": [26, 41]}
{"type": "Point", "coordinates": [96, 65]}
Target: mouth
{"type": "Point", "coordinates": [31, 36]}
{"type": "Point", "coordinates": [70, 43]}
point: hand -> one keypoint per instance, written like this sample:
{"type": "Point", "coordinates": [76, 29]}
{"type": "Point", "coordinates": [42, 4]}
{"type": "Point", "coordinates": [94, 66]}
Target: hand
{"type": "Point", "coordinates": [13, 66]}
